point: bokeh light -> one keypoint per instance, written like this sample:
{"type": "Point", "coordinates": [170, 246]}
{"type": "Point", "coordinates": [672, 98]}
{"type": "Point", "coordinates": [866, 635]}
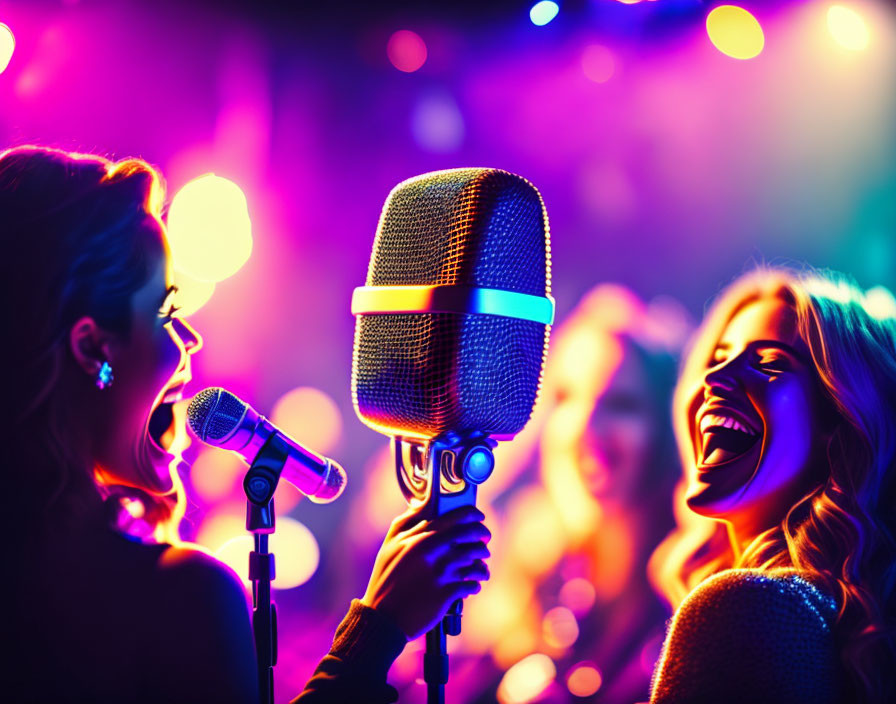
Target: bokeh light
{"type": "Point", "coordinates": [437, 123]}
{"type": "Point", "coordinates": [406, 50]}
{"type": "Point", "coordinates": [311, 417]}
{"type": "Point", "coordinates": [191, 294]}
{"type": "Point", "coordinates": [221, 525]}
{"type": "Point", "coordinates": [559, 628]}
{"type": "Point", "coordinates": [527, 679]}
{"type": "Point", "coordinates": [7, 46]}
{"type": "Point", "coordinates": [543, 12]}
{"type": "Point", "coordinates": [577, 595]}
{"type": "Point", "coordinates": [848, 28]}
{"type": "Point", "coordinates": [534, 531]}
{"type": "Point", "coordinates": [735, 32]}
{"type": "Point", "coordinates": [583, 680]}
{"type": "Point", "coordinates": [598, 63]}
{"type": "Point", "coordinates": [296, 554]}
{"type": "Point", "coordinates": [382, 500]}
{"type": "Point", "coordinates": [880, 303]}
{"type": "Point", "coordinates": [215, 473]}
{"type": "Point", "coordinates": [209, 228]}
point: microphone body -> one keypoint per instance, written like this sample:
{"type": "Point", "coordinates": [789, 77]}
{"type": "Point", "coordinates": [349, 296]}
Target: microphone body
{"type": "Point", "coordinates": [451, 338]}
{"type": "Point", "coordinates": [219, 418]}
{"type": "Point", "coordinates": [454, 318]}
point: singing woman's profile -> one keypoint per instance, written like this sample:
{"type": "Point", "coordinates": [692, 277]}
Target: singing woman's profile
{"type": "Point", "coordinates": [95, 354]}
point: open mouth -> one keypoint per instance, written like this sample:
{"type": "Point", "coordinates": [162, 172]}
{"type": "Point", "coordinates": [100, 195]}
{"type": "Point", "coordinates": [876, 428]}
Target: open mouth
{"type": "Point", "coordinates": [725, 437]}
{"type": "Point", "coordinates": [160, 423]}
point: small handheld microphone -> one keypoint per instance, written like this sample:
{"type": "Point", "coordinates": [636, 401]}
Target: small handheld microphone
{"type": "Point", "coordinates": [219, 418]}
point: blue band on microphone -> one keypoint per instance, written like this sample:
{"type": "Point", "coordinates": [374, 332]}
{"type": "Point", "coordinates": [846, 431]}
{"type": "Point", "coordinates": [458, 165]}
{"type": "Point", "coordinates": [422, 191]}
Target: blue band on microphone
{"type": "Point", "coordinates": [383, 300]}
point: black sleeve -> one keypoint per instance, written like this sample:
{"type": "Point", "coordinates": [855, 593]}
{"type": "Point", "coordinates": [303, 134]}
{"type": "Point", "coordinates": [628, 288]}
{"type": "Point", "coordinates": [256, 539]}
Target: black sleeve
{"type": "Point", "coordinates": [746, 637]}
{"type": "Point", "coordinates": [354, 671]}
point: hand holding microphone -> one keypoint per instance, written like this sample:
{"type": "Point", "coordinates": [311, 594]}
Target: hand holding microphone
{"type": "Point", "coordinates": [450, 342]}
{"type": "Point", "coordinates": [424, 565]}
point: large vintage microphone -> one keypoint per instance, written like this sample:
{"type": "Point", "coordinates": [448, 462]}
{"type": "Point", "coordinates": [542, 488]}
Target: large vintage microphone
{"type": "Point", "coordinates": [451, 337]}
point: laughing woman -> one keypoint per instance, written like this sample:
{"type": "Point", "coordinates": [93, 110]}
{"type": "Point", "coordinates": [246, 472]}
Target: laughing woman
{"type": "Point", "coordinates": [786, 419]}
{"type": "Point", "coordinates": [94, 353]}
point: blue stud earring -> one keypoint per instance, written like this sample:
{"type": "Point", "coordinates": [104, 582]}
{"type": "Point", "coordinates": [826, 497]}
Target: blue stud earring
{"type": "Point", "coordinates": [104, 377]}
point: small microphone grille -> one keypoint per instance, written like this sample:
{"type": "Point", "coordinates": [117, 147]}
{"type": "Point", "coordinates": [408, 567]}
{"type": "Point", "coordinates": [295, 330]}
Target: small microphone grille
{"type": "Point", "coordinates": [478, 227]}
{"type": "Point", "coordinates": [214, 413]}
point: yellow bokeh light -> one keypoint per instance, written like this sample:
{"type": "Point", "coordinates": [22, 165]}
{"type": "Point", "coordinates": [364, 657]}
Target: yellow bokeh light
{"type": "Point", "coordinates": [296, 554]}
{"type": "Point", "coordinates": [735, 32]}
{"type": "Point", "coordinates": [222, 525]}
{"type": "Point", "coordinates": [880, 303]}
{"type": "Point", "coordinates": [526, 679]}
{"type": "Point", "coordinates": [191, 294]}
{"type": "Point", "coordinates": [584, 680]}
{"type": "Point", "coordinates": [311, 417]}
{"type": "Point", "coordinates": [7, 46]}
{"type": "Point", "coordinates": [535, 531]}
{"type": "Point", "coordinates": [209, 229]}
{"type": "Point", "coordinates": [848, 28]}
{"type": "Point", "coordinates": [216, 473]}
{"type": "Point", "coordinates": [382, 499]}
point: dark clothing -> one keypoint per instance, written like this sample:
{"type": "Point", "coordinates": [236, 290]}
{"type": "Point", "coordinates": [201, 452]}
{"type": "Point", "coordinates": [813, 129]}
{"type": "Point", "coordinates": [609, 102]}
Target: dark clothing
{"type": "Point", "coordinates": [354, 672]}
{"type": "Point", "coordinates": [751, 636]}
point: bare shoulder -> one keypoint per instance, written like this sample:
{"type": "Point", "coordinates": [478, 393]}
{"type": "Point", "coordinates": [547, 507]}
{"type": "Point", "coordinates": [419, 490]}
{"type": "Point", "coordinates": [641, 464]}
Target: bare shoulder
{"type": "Point", "coordinates": [187, 565]}
{"type": "Point", "coordinates": [748, 635]}
{"type": "Point", "coordinates": [201, 594]}
{"type": "Point", "coordinates": [204, 609]}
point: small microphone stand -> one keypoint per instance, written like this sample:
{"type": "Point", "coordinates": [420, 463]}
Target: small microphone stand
{"type": "Point", "coordinates": [445, 472]}
{"type": "Point", "coordinates": [259, 484]}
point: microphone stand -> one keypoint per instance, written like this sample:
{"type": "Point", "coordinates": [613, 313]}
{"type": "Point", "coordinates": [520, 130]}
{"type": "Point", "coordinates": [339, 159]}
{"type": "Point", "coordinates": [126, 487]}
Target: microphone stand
{"type": "Point", "coordinates": [445, 471]}
{"type": "Point", "coordinates": [259, 484]}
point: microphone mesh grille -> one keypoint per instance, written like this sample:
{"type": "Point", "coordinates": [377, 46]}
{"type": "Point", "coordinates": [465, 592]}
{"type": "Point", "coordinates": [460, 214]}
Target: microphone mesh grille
{"type": "Point", "coordinates": [428, 373]}
{"type": "Point", "coordinates": [479, 227]}
{"type": "Point", "coordinates": [214, 413]}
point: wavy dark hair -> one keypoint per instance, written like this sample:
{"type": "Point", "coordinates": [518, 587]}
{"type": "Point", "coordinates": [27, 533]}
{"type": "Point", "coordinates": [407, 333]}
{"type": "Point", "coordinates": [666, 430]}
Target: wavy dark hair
{"type": "Point", "coordinates": [80, 234]}
{"type": "Point", "coordinates": [841, 533]}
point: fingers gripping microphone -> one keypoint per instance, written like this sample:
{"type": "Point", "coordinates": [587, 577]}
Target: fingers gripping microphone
{"type": "Point", "coordinates": [451, 337]}
{"type": "Point", "coordinates": [219, 418]}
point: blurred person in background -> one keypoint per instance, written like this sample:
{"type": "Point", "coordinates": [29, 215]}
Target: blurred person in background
{"type": "Point", "coordinates": [571, 549]}
{"type": "Point", "coordinates": [783, 566]}
{"type": "Point", "coordinates": [95, 357]}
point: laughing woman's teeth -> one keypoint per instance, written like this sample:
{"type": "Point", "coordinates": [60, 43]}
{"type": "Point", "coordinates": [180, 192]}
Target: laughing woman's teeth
{"type": "Point", "coordinates": [724, 438]}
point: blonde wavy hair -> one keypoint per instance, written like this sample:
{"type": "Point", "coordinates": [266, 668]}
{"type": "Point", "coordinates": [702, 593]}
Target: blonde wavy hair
{"type": "Point", "coordinates": [841, 533]}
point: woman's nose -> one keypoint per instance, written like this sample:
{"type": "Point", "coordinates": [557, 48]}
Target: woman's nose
{"type": "Point", "coordinates": [723, 376]}
{"type": "Point", "coordinates": [192, 340]}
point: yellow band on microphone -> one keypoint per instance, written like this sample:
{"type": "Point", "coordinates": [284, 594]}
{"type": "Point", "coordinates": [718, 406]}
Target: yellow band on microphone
{"type": "Point", "coordinates": [383, 300]}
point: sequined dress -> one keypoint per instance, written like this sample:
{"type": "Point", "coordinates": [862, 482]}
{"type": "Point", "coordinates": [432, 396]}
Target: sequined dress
{"type": "Point", "coordinates": [751, 636]}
